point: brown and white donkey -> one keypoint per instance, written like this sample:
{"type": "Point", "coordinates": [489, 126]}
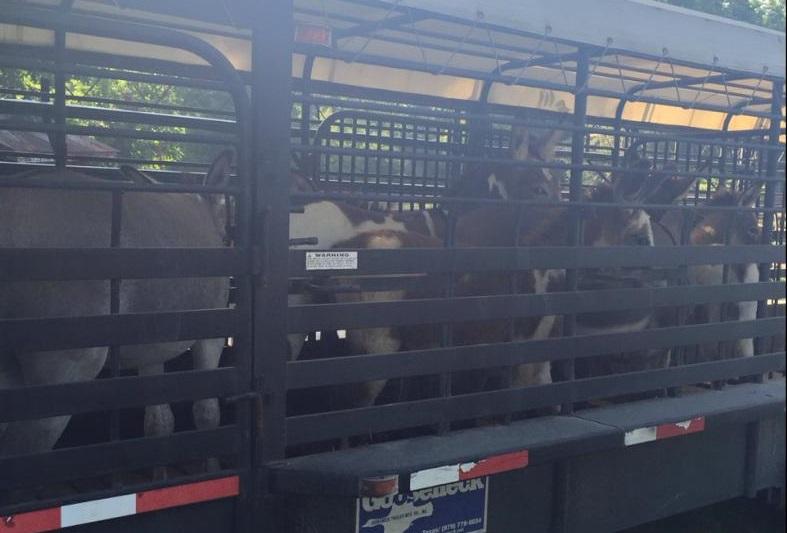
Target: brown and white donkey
{"type": "Point", "coordinates": [508, 225]}
{"type": "Point", "coordinates": [333, 224]}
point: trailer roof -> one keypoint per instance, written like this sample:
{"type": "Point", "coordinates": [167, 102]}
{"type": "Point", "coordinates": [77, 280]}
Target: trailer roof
{"type": "Point", "coordinates": [670, 65]}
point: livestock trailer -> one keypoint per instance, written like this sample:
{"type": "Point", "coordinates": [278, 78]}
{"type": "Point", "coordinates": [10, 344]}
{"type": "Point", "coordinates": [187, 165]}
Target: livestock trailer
{"type": "Point", "coordinates": [455, 155]}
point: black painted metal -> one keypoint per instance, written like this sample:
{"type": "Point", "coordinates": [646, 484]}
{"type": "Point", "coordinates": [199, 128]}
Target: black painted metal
{"type": "Point", "coordinates": [575, 194]}
{"type": "Point", "coordinates": [335, 424]}
{"type": "Point", "coordinates": [261, 265]}
{"type": "Point", "coordinates": [120, 455]}
{"type": "Point", "coordinates": [271, 88]}
{"type": "Point", "coordinates": [356, 369]}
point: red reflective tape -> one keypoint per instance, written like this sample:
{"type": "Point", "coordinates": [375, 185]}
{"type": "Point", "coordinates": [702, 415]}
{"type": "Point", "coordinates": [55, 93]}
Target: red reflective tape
{"type": "Point", "coordinates": [443, 475]}
{"type": "Point", "coordinates": [313, 34]}
{"type": "Point", "coordinates": [32, 522]}
{"type": "Point", "coordinates": [495, 465]}
{"type": "Point", "coordinates": [202, 491]}
{"type": "Point", "coordinates": [152, 500]}
{"type": "Point", "coordinates": [377, 487]}
{"type": "Point", "coordinates": [666, 431]}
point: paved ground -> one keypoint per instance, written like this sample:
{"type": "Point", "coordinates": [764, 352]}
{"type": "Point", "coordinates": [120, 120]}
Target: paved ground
{"type": "Point", "coordinates": [736, 516]}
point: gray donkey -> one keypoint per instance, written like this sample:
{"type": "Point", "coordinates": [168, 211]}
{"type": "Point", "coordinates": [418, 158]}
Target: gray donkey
{"type": "Point", "coordinates": [57, 218]}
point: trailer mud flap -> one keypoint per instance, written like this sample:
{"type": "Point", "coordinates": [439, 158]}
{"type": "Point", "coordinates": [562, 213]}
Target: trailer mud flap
{"type": "Point", "coordinates": [456, 508]}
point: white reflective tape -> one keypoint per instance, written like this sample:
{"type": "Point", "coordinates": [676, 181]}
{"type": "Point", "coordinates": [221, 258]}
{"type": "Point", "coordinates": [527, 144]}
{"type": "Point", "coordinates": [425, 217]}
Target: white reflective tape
{"type": "Point", "coordinates": [638, 436]}
{"type": "Point", "coordinates": [432, 477]}
{"type": "Point", "coordinates": [97, 510]}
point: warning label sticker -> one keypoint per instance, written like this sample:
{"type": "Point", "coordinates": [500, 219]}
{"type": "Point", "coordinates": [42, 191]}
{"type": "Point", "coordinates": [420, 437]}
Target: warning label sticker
{"type": "Point", "coordinates": [331, 260]}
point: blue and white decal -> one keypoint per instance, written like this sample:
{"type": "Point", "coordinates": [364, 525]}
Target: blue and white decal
{"type": "Point", "coordinates": [455, 508]}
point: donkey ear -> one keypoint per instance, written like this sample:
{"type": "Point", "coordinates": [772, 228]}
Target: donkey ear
{"type": "Point", "coordinates": [748, 198]}
{"type": "Point", "coordinates": [630, 184]}
{"type": "Point", "coordinates": [549, 142]}
{"type": "Point", "coordinates": [137, 176]}
{"type": "Point", "coordinates": [520, 143]}
{"type": "Point", "coordinates": [219, 172]}
{"type": "Point", "coordinates": [670, 187]}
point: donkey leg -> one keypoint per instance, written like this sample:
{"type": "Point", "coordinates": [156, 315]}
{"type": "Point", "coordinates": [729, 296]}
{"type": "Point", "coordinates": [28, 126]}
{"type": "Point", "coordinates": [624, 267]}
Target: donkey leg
{"type": "Point", "coordinates": [159, 420]}
{"type": "Point", "coordinates": [297, 340]}
{"type": "Point", "coordinates": [532, 374]}
{"type": "Point", "coordinates": [746, 311]}
{"type": "Point", "coordinates": [48, 368]}
{"type": "Point", "coordinates": [372, 340]}
{"type": "Point", "coordinates": [206, 354]}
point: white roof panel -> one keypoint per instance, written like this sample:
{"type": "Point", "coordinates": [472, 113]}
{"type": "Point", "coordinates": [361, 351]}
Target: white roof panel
{"type": "Point", "coordinates": [642, 26]}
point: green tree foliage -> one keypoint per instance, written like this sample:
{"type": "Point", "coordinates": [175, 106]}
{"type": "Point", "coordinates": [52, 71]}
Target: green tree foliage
{"type": "Point", "coordinates": [769, 13]}
{"type": "Point", "coordinates": [136, 96]}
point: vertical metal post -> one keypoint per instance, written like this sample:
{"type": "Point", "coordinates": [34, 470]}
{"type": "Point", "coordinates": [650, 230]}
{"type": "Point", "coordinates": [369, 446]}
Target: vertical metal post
{"type": "Point", "coordinates": [575, 193]}
{"type": "Point", "coordinates": [272, 44]}
{"type": "Point", "coordinates": [753, 428]}
{"type": "Point", "coordinates": [562, 471]}
{"type": "Point", "coordinates": [59, 115]}
{"type": "Point", "coordinates": [770, 193]}
{"type": "Point", "coordinates": [114, 308]}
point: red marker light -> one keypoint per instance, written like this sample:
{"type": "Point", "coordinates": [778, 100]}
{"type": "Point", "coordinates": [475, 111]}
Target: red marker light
{"type": "Point", "coordinates": [313, 34]}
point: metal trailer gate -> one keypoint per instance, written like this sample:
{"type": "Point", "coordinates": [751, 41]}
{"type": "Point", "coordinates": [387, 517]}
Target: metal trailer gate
{"type": "Point", "coordinates": [390, 106]}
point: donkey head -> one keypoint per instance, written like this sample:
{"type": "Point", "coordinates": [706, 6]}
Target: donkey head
{"type": "Point", "coordinates": [218, 176]}
{"type": "Point", "coordinates": [713, 227]}
{"type": "Point", "coordinates": [624, 226]}
{"type": "Point", "coordinates": [513, 182]}
{"type": "Point", "coordinates": [518, 182]}
{"type": "Point", "coordinates": [300, 183]}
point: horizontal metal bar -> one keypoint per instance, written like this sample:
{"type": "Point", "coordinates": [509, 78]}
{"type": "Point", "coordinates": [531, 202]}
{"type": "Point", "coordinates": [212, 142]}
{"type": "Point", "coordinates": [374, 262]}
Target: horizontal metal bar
{"type": "Point", "coordinates": [679, 134]}
{"type": "Point", "coordinates": [375, 25]}
{"type": "Point", "coordinates": [515, 163]}
{"type": "Point", "coordinates": [442, 260]}
{"type": "Point", "coordinates": [324, 426]}
{"type": "Point", "coordinates": [445, 200]}
{"type": "Point", "coordinates": [100, 185]}
{"type": "Point", "coordinates": [26, 107]}
{"type": "Point", "coordinates": [360, 368]}
{"type": "Point", "coordinates": [58, 264]}
{"type": "Point", "coordinates": [108, 66]}
{"type": "Point", "coordinates": [498, 307]}
{"type": "Point", "coordinates": [41, 401]}
{"type": "Point", "coordinates": [41, 334]}
{"type": "Point", "coordinates": [119, 456]}
{"type": "Point", "coordinates": [126, 133]}
{"type": "Point", "coordinates": [152, 105]}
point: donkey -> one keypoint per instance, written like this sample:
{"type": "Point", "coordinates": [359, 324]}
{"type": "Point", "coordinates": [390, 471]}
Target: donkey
{"type": "Point", "coordinates": [503, 225]}
{"type": "Point", "coordinates": [603, 226]}
{"type": "Point", "coordinates": [58, 218]}
{"type": "Point", "coordinates": [663, 187]}
{"type": "Point", "coordinates": [717, 228]}
{"type": "Point", "coordinates": [334, 222]}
